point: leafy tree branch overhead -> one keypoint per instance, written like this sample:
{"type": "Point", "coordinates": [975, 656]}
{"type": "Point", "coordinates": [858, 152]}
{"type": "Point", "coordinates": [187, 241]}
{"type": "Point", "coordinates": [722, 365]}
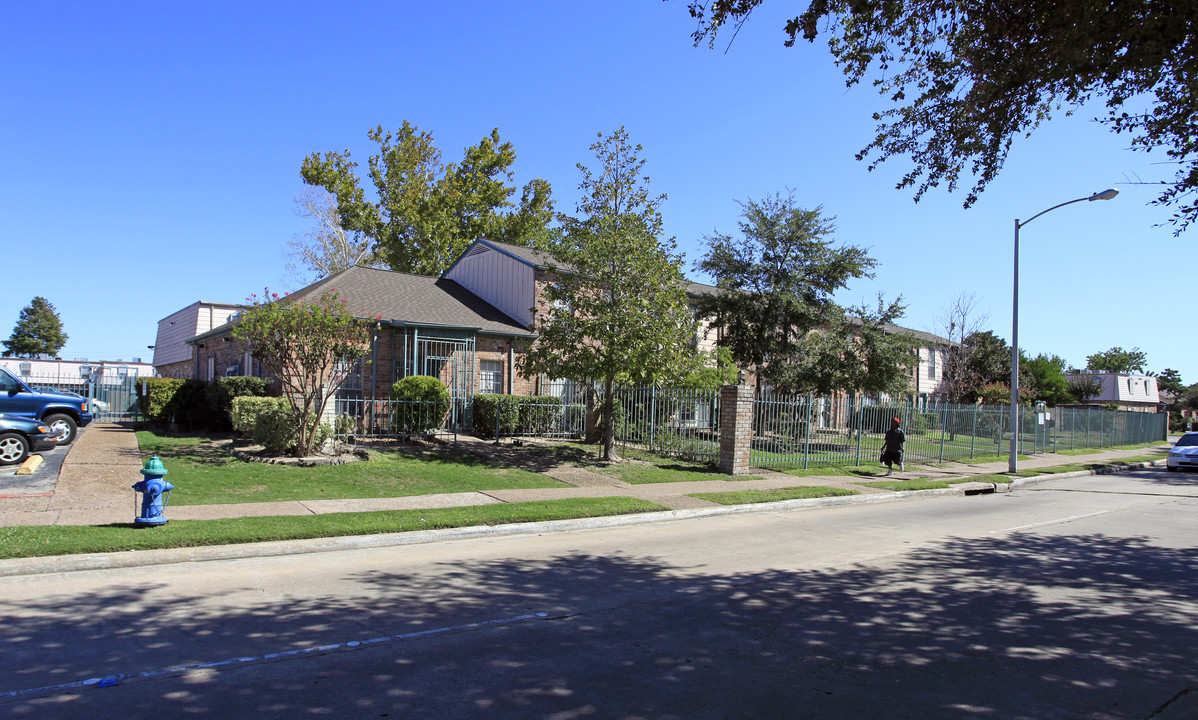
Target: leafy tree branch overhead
{"type": "Point", "coordinates": [426, 212]}
{"type": "Point", "coordinates": [966, 78]}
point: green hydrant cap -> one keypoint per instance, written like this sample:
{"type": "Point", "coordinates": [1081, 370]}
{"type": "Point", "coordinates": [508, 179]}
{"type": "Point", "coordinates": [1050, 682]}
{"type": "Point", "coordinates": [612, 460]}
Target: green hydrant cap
{"type": "Point", "coordinates": [154, 467]}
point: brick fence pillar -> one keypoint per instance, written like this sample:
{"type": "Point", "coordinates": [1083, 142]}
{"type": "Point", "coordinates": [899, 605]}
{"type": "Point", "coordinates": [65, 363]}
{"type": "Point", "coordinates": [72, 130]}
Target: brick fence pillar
{"type": "Point", "coordinates": [736, 428]}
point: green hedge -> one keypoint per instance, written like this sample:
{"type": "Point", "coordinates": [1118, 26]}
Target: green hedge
{"type": "Point", "coordinates": [275, 429]}
{"type": "Point", "coordinates": [270, 422]}
{"type": "Point", "coordinates": [156, 401]}
{"type": "Point", "coordinates": [245, 410]}
{"type": "Point", "coordinates": [220, 394]}
{"type": "Point", "coordinates": [519, 415]}
{"type": "Point", "coordinates": [424, 403]}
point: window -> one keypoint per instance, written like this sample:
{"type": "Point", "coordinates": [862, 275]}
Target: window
{"type": "Point", "coordinates": [25, 368]}
{"type": "Point", "coordinates": [490, 377]}
{"type": "Point", "coordinates": [122, 371]}
{"type": "Point", "coordinates": [85, 371]}
{"type": "Point", "coordinates": [211, 369]}
{"type": "Point", "coordinates": [931, 363]}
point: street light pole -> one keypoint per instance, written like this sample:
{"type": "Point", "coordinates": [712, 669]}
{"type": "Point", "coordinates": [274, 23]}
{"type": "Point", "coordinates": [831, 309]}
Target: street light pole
{"type": "Point", "coordinates": [1013, 462]}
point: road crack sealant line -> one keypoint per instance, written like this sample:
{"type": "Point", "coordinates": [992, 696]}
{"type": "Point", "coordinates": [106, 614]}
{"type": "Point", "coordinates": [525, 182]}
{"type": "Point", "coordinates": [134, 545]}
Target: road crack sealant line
{"type": "Point", "coordinates": [229, 663]}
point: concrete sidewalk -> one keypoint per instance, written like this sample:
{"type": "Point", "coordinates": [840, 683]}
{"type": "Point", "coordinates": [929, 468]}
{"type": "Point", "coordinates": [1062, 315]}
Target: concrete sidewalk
{"type": "Point", "coordinates": [94, 486]}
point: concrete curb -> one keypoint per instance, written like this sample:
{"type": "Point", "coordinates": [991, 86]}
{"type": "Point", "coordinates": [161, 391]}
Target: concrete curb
{"type": "Point", "coordinates": [142, 558]}
{"type": "Point", "coordinates": [1082, 473]}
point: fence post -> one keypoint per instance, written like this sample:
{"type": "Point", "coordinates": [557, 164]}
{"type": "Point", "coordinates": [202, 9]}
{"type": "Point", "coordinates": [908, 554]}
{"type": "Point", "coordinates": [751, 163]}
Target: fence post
{"type": "Point", "coordinates": [807, 435]}
{"type": "Point", "coordinates": [860, 414]}
{"type": "Point", "coordinates": [736, 428]}
{"type": "Point", "coordinates": [652, 414]}
{"type": "Point", "coordinates": [973, 435]}
{"type": "Point", "coordinates": [943, 425]}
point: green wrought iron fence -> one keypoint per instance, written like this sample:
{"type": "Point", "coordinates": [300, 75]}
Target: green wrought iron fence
{"type": "Point", "coordinates": [675, 422]}
{"type": "Point", "coordinates": [802, 432]}
{"type": "Point", "coordinates": [379, 420]}
{"type": "Point", "coordinates": [110, 398]}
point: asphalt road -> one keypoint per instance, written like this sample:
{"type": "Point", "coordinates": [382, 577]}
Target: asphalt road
{"type": "Point", "coordinates": [1069, 599]}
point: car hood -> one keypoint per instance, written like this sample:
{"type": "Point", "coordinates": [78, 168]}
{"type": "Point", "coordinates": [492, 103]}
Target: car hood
{"type": "Point", "coordinates": [1186, 450]}
{"type": "Point", "coordinates": [64, 399]}
{"type": "Point", "coordinates": [23, 423]}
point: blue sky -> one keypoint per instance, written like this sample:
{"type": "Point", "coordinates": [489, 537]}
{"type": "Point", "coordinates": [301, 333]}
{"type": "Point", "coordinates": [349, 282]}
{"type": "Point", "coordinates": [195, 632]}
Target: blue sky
{"type": "Point", "coordinates": [151, 154]}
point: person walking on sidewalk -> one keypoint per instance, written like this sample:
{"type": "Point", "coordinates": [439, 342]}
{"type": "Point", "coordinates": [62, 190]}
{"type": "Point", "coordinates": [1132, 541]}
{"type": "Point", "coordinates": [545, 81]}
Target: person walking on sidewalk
{"type": "Point", "coordinates": [892, 451]}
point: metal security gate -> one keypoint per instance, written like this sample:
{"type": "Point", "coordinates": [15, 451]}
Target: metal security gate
{"type": "Point", "coordinates": [110, 396]}
{"type": "Point", "coordinates": [447, 355]}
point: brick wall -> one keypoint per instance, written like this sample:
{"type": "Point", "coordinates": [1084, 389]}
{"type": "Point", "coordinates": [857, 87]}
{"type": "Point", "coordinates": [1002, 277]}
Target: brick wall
{"type": "Point", "coordinates": [225, 350]}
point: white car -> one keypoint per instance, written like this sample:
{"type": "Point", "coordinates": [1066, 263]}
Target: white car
{"type": "Point", "coordinates": [95, 406]}
{"type": "Point", "coordinates": [1184, 453]}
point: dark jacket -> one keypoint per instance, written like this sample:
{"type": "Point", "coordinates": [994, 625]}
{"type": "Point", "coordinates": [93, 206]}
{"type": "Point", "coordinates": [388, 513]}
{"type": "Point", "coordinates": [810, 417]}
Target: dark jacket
{"type": "Point", "coordinates": [895, 438]}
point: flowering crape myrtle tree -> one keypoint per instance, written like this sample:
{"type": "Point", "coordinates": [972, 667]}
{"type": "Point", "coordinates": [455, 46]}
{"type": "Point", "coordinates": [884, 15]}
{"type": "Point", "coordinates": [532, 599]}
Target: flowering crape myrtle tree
{"type": "Point", "coordinates": [310, 345]}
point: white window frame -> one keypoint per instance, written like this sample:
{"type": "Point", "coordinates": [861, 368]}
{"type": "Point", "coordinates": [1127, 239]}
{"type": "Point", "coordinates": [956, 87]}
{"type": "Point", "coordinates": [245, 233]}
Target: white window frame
{"type": "Point", "coordinates": [490, 377]}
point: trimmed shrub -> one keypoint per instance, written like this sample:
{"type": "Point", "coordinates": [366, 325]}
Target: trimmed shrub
{"type": "Point", "coordinates": [221, 392]}
{"type": "Point", "coordinates": [423, 405]}
{"type": "Point", "coordinates": [519, 415]}
{"type": "Point", "coordinates": [192, 409]}
{"type": "Point", "coordinates": [489, 410]}
{"type": "Point", "coordinates": [157, 403]}
{"type": "Point", "coordinates": [275, 429]}
{"type": "Point", "coordinates": [270, 422]}
{"type": "Point", "coordinates": [244, 411]}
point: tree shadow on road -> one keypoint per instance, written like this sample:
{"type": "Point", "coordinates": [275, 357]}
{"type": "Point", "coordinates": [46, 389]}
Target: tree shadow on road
{"type": "Point", "coordinates": [1021, 626]}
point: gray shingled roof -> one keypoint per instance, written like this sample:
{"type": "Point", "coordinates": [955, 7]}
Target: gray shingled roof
{"type": "Point", "coordinates": [414, 299]}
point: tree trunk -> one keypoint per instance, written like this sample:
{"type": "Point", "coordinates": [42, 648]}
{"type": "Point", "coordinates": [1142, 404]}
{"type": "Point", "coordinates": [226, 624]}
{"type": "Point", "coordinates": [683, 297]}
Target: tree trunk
{"type": "Point", "coordinates": [609, 413]}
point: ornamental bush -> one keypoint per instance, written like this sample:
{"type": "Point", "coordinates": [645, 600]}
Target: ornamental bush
{"type": "Point", "coordinates": [157, 403]}
{"type": "Point", "coordinates": [421, 404]}
{"type": "Point", "coordinates": [518, 415]}
{"type": "Point", "coordinates": [244, 411]}
{"type": "Point", "coordinates": [220, 394]}
{"type": "Point", "coordinates": [275, 429]}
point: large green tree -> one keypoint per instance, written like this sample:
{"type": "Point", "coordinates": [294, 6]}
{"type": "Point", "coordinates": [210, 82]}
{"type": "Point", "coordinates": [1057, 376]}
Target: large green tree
{"type": "Point", "coordinates": [1170, 381]}
{"type": "Point", "coordinates": [775, 308]}
{"type": "Point", "coordinates": [967, 77]}
{"type": "Point", "coordinates": [989, 361]}
{"type": "Point", "coordinates": [309, 345]}
{"type": "Point", "coordinates": [426, 212]}
{"type": "Point", "coordinates": [1047, 376]}
{"type": "Point", "coordinates": [618, 309]}
{"type": "Point", "coordinates": [38, 331]}
{"type": "Point", "coordinates": [1117, 360]}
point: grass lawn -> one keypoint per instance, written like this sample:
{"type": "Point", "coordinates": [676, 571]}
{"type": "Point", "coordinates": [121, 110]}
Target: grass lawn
{"type": "Point", "coordinates": [744, 497]}
{"type": "Point", "coordinates": [1069, 467]}
{"type": "Point", "coordinates": [915, 484]}
{"type": "Point", "coordinates": [836, 471]}
{"type": "Point", "coordinates": [41, 540]}
{"type": "Point", "coordinates": [647, 469]}
{"type": "Point", "coordinates": [636, 467]}
{"type": "Point", "coordinates": [205, 473]}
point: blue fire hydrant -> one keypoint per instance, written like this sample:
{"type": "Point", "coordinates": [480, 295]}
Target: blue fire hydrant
{"type": "Point", "coordinates": [155, 492]}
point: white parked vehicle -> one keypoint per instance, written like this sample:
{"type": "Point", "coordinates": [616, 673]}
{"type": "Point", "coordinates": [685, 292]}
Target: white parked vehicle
{"type": "Point", "coordinates": [1184, 453]}
{"type": "Point", "coordinates": [95, 406]}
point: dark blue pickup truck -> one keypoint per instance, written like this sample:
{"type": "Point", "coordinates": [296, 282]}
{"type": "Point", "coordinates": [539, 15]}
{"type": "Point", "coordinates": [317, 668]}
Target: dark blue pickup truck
{"type": "Point", "coordinates": [63, 413]}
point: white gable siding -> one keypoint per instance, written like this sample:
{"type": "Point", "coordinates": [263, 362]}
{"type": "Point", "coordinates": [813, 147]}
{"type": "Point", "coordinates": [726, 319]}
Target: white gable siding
{"type": "Point", "coordinates": [1125, 389]}
{"type": "Point", "coordinates": [500, 279]}
{"type": "Point", "coordinates": [174, 330]}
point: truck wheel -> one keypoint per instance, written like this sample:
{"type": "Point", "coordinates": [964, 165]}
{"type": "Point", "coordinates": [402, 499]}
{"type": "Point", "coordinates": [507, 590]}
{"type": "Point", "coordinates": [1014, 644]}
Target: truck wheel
{"type": "Point", "coordinates": [63, 426]}
{"type": "Point", "coordinates": [13, 449]}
